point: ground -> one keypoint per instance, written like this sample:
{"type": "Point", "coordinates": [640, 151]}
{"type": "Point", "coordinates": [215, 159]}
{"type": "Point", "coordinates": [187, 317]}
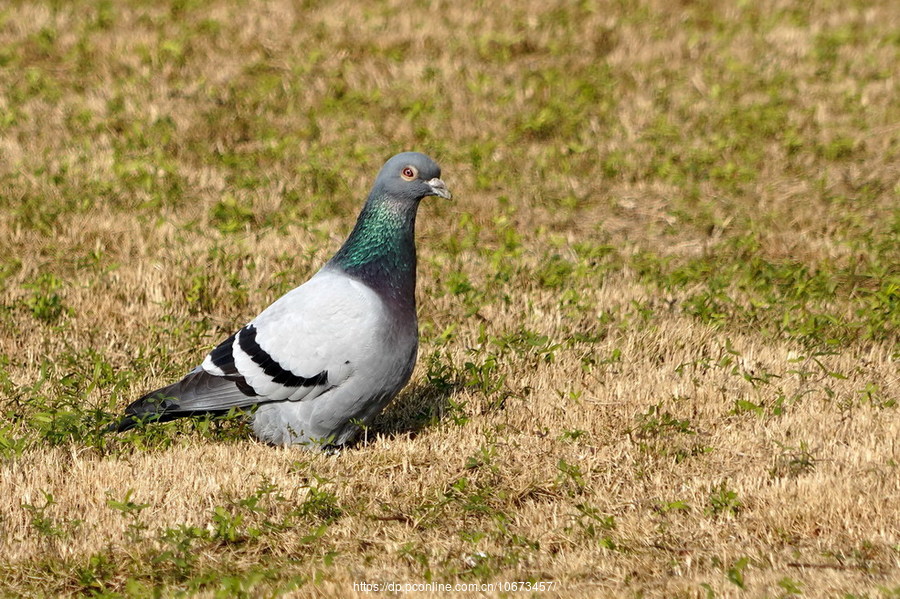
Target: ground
{"type": "Point", "coordinates": [659, 319]}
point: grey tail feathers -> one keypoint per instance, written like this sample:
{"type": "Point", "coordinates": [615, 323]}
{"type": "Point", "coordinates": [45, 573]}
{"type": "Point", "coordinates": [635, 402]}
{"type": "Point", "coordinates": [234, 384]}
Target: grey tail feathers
{"type": "Point", "coordinates": [160, 405]}
{"type": "Point", "coordinates": [177, 400]}
{"type": "Point", "coordinates": [196, 394]}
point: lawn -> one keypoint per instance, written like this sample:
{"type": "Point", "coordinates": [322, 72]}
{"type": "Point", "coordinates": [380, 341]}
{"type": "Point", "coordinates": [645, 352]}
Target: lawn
{"type": "Point", "coordinates": [660, 319]}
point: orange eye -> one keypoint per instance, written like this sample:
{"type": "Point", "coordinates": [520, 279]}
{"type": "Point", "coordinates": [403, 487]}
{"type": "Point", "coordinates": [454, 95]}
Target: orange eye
{"type": "Point", "coordinates": [409, 173]}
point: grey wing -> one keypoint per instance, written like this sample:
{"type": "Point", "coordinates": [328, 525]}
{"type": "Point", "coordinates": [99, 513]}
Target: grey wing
{"type": "Point", "coordinates": [217, 385]}
{"type": "Point", "coordinates": [300, 347]}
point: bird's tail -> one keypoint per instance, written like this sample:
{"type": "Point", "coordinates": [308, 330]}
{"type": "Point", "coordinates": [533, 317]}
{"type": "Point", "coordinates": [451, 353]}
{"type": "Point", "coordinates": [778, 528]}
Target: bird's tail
{"type": "Point", "coordinates": [199, 393]}
{"type": "Point", "coordinates": [160, 405]}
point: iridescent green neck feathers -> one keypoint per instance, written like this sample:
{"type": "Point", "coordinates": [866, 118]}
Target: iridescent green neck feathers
{"type": "Point", "coordinates": [381, 249]}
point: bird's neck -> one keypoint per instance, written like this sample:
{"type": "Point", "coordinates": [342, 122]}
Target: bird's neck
{"type": "Point", "coordinates": [381, 251]}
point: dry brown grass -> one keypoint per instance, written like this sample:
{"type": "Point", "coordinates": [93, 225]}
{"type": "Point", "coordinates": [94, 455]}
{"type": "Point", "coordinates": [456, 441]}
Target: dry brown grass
{"type": "Point", "coordinates": [659, 351]}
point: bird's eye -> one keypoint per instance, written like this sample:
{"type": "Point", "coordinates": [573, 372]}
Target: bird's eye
{"type": "Point", "coordinates": [409, 173]}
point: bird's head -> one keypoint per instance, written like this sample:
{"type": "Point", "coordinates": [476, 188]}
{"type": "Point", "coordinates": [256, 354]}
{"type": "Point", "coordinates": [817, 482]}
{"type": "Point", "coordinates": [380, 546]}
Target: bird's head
{"type": "Point", "coordinates": [410, 176]}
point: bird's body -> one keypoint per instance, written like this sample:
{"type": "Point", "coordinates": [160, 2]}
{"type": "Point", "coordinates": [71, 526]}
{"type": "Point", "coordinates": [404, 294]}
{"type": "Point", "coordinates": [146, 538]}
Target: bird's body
{"type": "Point", "coordinates": [330, 354]}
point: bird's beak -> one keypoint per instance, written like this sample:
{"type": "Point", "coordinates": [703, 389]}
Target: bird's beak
{"type": "Point", "coordinates": [439, 188]}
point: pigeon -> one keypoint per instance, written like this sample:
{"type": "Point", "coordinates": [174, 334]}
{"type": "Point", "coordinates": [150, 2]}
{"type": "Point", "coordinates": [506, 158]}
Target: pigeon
{"type": "Point", "coordinates": [328, 356]}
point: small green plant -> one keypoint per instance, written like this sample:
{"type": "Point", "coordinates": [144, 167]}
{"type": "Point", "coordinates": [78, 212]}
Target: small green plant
{"type": "Point", "coordinates": [572, 436]}
{"type": "Point", "coordinates": [178, 548]}
{"type": "Point", "coordinates": [594, 524]}
{"type": "Point", "coordinates": [484, 376]}
{"type": "Point", "coordinates": [440, 372]}
{"type": "Point", "coordinates": [11, 444]}
{"type": "Point", "coordinates": [229, 215]}
{"type": "Point", "coordinates": [790, 586]}
{"type": "Point", "coordinates": [131, 511]}
{"type": "Point", "coordinates": [320, 504]}
{"type": "Point", "coordinates": [794, 460]}
{"type": "Point", "coordinates": [871, 395]}
{"type": "Point", "coordinates": [570, 477]}
{"type": "Point", "coordinates": [723, 501]}
{"type": "Point", "coordinates": [555, 272]}
{"type": "Point", "coordinates": [457, 411]}
{"type": "Point", "coordinates": [228, 526]}
{"type": "Point", "coordinates": [483, 458]}
{"type": "Point", "coordinates": [523, 342]}
{"type": "Point", "coordinates": [678, 505]}
{"type": "Point", "coordinates": [735, 572]}
{"type": "Point", "coordinates": [95, 574]}
{"type": "Point", "coordinates": [656, 422]}
{"type": "Point", "coordinates": [45, 302]}
{"type": "Point", "coordinates": [47, 525]}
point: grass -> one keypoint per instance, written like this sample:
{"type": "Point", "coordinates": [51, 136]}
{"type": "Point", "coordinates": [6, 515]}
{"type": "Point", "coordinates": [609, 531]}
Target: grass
{"type": "Point", "coordinates": [659, 319]}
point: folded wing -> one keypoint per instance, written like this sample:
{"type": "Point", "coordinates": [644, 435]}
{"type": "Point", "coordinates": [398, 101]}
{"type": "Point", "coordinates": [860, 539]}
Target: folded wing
{"type": "Point", "coordinates": [300, 347]}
